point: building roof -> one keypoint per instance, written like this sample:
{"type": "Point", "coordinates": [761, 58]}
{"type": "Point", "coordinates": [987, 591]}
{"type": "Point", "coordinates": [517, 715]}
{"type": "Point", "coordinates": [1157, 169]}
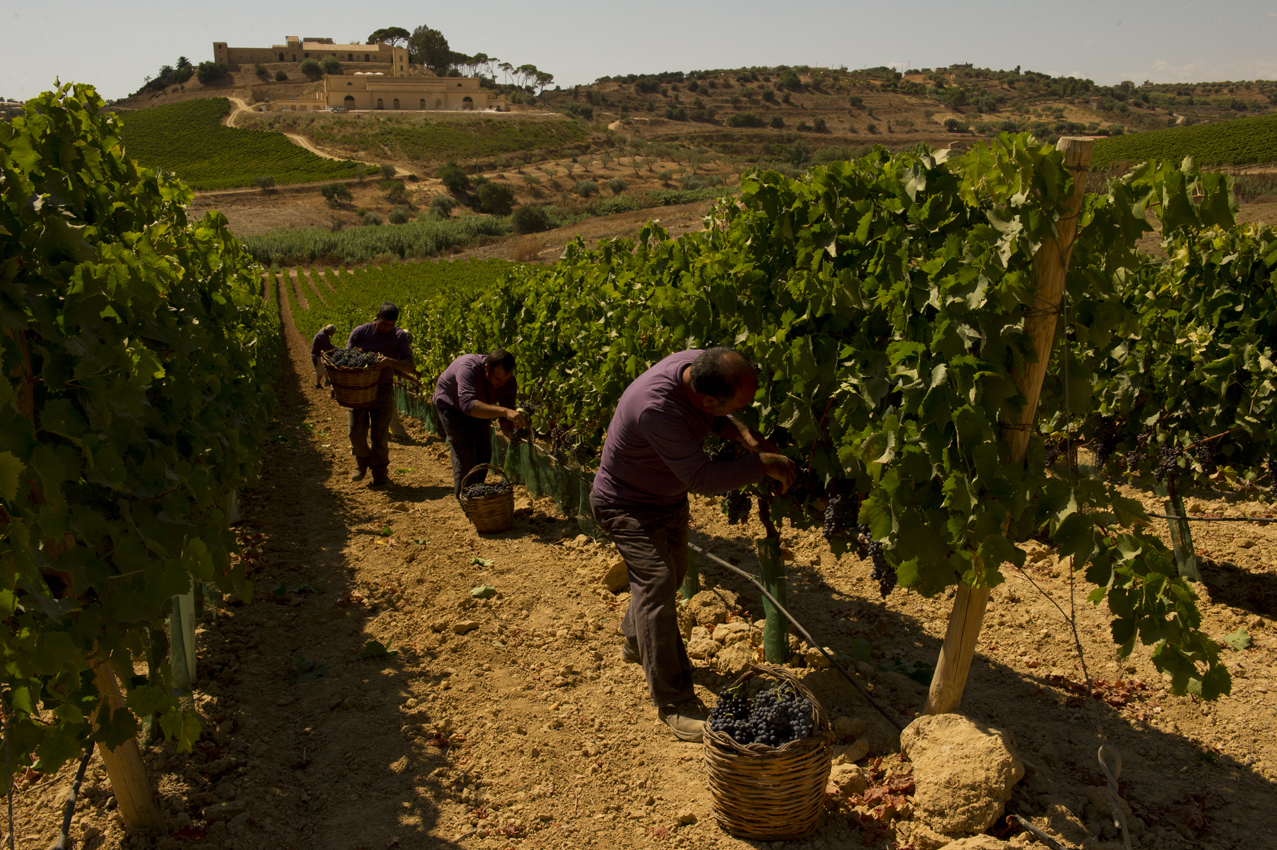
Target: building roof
{"type": "Point", "coordinates": [328, 45]}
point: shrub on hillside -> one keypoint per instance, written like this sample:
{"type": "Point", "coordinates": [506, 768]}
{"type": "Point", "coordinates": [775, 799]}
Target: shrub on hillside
{"type": "Point", "coordinates": [264, 181]}
{"type": "Point", "coordinates": [281, 75]}
{"type": "Point", "coordinates": [396, 191]}
{"type": "Point", "coordinates": [617, 185]}
{"type": "Point", "coordinates": [330, 65]}
{"type": "Point", "coordinates": [400, 215]}
{"type": "Point", "coordinates": [310, 68]}
{"type": "Point", "coordinates": [492, 198]}
{"type": "Point", "coordinates": [818, 125]}
{"type": "Point", "coordinates": [371, 219]}
{"type": "Point", "coordinates": [260, 70]}
{"type": "Point", "coordinates": [210, 71]}
{"type": "Point", "coordinates": [441, 206]}
{"type": "Point", "coordinates": [454, 178]}
{"type": "Point", "coordinates": [789, 80]}
{"type": "Point", "coordinates": [529, 218]}
{"type": "Point", "coordinates": [336, 194]}
{"type": "Point", "coordinates": [388, 171]}
{"type": "Point", "coordinates": [745, 119]}
{"type": "Point", "coordinates": [586, 188]}
{"type": "Point", "coordinates": [778, 122]}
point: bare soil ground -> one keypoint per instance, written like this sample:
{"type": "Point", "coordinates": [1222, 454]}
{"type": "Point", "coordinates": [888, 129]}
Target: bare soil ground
{"type": "Point", "coordinates": [511, 722]}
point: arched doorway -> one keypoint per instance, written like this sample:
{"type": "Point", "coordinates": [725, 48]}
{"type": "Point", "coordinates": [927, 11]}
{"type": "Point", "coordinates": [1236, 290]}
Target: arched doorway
{"type": "Point", "coordinates": [423, 103]}
{"type": "Point", "coordinates": [349, 102]}
{"type": "Point", "coordinates": [281, 57]}
{"type": "Point", "coordinates": [467, 103]}
{"type": "Point", "coordinates": [379, 104]}
{"type": "Point", "coordinates": [438, 104]}
{"type": "Point", "coordinates": [396, 103]}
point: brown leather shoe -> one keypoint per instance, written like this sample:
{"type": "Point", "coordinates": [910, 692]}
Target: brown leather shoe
{"type": "Point", "coordinates": [359, 473]}
{"type": "Point", "coordinates": [686, 720]}
{"type": "Point", "coordinates": [630, 652]}
{"type": "Point", "coordinates": [380, 477]}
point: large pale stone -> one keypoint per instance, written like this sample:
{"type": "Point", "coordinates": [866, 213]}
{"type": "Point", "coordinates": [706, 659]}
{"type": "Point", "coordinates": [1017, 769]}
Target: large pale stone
{"type": "Point", "coordinates": [707, 609]}
{"type": "Point", "coordinates": [735, 659]}
{"type": "Point", "coordinates": [615, 577]}
{"type": "Point", "coordinates": [963, 772]}
{"type": "Point", "coordinates": [729, 633]}
{"type": "Point", "coordinates": [702, 648]}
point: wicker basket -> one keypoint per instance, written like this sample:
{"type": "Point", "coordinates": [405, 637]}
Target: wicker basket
{"type": "Point", "coordinates": [770, 793]}
{"type": "Point", "coordinates": [354, 388]}
{"type": "Point", "coordinates": [491, 513]}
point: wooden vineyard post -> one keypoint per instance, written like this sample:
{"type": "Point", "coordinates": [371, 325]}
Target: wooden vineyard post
{"type": "Point", "coordinates": [1050, 266]}
{"type": "Point", "coordinates": [124, 763]}
{"type": "Point", "coordinates": [772, 570]}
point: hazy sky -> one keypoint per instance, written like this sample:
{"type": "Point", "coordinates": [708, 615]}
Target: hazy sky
{"type": "Point", "coordinates": [114, 45]}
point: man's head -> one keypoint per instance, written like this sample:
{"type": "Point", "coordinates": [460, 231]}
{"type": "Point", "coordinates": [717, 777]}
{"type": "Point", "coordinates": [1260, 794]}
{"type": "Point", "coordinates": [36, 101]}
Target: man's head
{"type": "Point", "coordinates": [726, 380]}
{"type": "Point", "coordinates": [330, 329]}
{"type": "Point", "coordinates": [498, 368]}
{"type": "Point", "coordinates": [387, 315]}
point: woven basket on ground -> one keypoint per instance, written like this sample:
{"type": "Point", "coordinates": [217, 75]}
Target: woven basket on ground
{"type": "Point", "coordinates": [489, 514]}
{"type": "Point", "coordinates": [354, 388]}
{"type": "Point", "coordinates": [770, 793]}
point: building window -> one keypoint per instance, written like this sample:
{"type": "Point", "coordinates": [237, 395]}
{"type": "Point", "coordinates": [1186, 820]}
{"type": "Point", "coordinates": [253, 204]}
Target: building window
{"type": "Point", "coordinates": [294, 57]}
{"type": "Point", "coordinates": [307, 55]}
{"type": "Point", "coordinates": [379, 104]}
{"type": "Point", "coordinates": [396, 103]}
{"type": "Point", "coordinates": [281, 57]}
{"type": "Point", "coordinates": [423, 103]}
{"type": "Point", "coordinates": [365, 57]}
{"type": "Point", "coordinates": [467, 103]}
{"type": "Point", "coordinates": [349, 102]}
{"type": "Point", "coordinates": [350, 84]}
{"type": "Point", "coordinates": [350, 57]}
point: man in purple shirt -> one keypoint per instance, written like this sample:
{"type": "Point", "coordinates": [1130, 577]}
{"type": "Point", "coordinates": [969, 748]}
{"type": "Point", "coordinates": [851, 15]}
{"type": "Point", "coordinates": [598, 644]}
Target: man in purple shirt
{"type": "Point", "coordinates": [393, 344]}
{"type": "Point", "coordinates": [321, 343]}
{"type": "Point", "coordinates": [651, 458]}
{"type": "Point", "coordinates": [472, 391]}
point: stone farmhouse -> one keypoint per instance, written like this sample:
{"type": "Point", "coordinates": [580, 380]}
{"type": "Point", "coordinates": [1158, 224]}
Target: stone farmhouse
{"type": "Point", "coordinates": [374, 76]}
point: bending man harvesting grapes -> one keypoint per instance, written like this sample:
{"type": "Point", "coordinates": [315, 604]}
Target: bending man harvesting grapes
{"type": "Point", "coordinates": [321, 343]}
{"type": "Point", "coordinates": [393, 346]}
{"type": "Point", "coordinates": [652, 458]}
{"type": "Point", "coordinates": [471, 392]}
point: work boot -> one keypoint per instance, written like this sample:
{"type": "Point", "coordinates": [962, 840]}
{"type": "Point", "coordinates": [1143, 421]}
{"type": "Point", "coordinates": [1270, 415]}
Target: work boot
{"type": "Point", "coordinates": [630, 652]}
{"type": "Point", "coordinates": [360, 471]}
{"type": "Point", "coordinates": [686, 720]}
{"type": "Point", "coordinates": [380, 477]}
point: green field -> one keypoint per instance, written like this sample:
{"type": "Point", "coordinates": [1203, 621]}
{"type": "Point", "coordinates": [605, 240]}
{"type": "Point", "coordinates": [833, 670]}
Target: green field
{"type": "Point", "coordinates": [433, 139]}
{"type": "Point", "coordinates": [1241, 141]}
{"type": "Point", "coordinates": [189, 139]}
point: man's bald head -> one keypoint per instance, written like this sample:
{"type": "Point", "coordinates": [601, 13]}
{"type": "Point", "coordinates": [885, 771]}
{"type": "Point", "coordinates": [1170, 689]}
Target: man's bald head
{"type": "Point", "coordinates": [722, 373]}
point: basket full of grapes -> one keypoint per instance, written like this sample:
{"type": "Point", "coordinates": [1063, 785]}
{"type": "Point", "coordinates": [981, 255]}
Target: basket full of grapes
{"type": "Point", "coordinates": [768, 750]}
{"type": "Point", "coordinates": [353, 374]}
{"type": "Point", "coordinates": [489, 505]}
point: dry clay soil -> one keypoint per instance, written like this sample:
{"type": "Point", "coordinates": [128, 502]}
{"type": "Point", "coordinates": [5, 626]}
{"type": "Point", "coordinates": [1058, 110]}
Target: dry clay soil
{"type": "Point", "coordinates": [512, 722]}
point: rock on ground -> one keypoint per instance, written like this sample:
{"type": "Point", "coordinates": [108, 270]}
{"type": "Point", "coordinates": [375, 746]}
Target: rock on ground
{"type": "Point", "coordinates": [963, 772]}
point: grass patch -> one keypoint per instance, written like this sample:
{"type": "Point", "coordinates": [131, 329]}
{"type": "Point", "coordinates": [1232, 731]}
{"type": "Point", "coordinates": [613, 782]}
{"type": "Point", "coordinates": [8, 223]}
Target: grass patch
{"type": "Point", "coordinates": [433, 139]}
{"type": "Point", "coordinates": [361, 244]}
{"type": "Point", "coordinates": [189, 140]}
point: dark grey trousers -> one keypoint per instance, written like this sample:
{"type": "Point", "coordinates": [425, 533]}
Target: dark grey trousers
{"type": "Point", "coordinates": [653, 542]}
{"type": "Point", "coordinates": [471, 442]}
{"type": "Point", "coordinates": [373, 423]}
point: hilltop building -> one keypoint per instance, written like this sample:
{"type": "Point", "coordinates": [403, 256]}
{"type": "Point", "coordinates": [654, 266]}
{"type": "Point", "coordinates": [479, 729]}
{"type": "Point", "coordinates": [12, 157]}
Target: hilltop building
{"type": "Point", "coordinates": [374, 76]}
{"type": "Point", "coordinates": [369, 57]}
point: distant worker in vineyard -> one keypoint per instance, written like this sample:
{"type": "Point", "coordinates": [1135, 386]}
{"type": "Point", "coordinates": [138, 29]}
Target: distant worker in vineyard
{"type": "Point", "coordinates": [393, 344]}
{"type": "Point", "coordinates": [471, 392]}
{"type": "Point", "coordinates": [322, 342]}
{"type": "Point", "coordinates": [651, 458]}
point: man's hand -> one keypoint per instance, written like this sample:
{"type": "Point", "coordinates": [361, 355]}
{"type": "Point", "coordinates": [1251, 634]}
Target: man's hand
{"type": "Point", "coordinates": [516, 418]}
{"type": "Point", "coordinates": [779, 467]}
{"type": "Point", "coordinates": [758, 444]}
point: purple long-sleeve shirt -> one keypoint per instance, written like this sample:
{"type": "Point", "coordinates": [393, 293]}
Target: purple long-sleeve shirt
{"type": "Point", "coordinates": [321, 343]}
{"type": "Point", "coordinates": [653, 455]}
{"type": "Point", "coordinates": [397, 345]}
{"type": "Point", "coordinates": [463, 383]}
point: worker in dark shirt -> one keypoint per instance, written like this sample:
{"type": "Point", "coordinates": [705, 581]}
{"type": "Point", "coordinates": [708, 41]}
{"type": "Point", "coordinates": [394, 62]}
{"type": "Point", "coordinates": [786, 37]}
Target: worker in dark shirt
{"type": "Point", "coordinates": [471, 392]}
{"type": "Point", "coordinates": [321, 343]}
{"type": "Point", "coordinates": [652, 458]}
{"type": "Point", "coordinates": [393, 344]}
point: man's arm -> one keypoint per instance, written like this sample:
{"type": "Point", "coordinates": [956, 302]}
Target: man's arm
{"type": "Point", "coordinates": [731, 428]}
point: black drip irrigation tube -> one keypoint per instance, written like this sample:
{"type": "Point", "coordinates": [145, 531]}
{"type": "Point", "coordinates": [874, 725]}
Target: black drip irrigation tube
{"type": "Point", "coordinates": [64, 835]}
{"type": "Point", "coordinates": [1215, 518]}
{"type": "Point", "coordinates": [859, 687]}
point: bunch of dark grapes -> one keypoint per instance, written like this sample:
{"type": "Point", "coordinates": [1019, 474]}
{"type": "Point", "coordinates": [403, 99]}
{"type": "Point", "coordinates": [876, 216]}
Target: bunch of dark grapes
{"type": "Point", "coordinates": [1206, 457]}
{"type": "Point", "coordinates": [737, 504]}
{"type": "Point", "coordinates": [528, 408]}
{"type": "Point", "coordinates": [561, 441]}
{"type": "Point", "coordinates": [1055, 448]}
{"type": "Point", "coordinates": [725, 450]}
{"type": "Point", "coordinates": [1271, 466]}
{"type": "Point", "coordinates": [353, 358]}
{"type": "Point", "coordinates": [582, 453]}
{"type": "Point", "coordinates": [1134, 456]}
{"type": "Point", "coordinates": [841, 515]}
{"type": "Point", "coordinates": [863, 538]}
{"type": "Point", "coordinates": [1106, 438]}
{"type": "Point", "coordinates": [883, 572]}
{"type": "Point", "coordinates": [485, 490]}
{"type": "Point", "coordinates": [773, 717]}
{"type": "Point", "coordinates": [1166, 462]}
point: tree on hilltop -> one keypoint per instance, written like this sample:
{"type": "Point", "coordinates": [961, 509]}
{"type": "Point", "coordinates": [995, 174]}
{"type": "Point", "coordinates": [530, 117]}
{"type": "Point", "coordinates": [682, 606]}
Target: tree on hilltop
{"type": "Point", "coordinates": [428, 47]}
{"type": "Point", "coordinates": [183, 62]}
{"type": "Point", "coordinates": [394, 36]}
